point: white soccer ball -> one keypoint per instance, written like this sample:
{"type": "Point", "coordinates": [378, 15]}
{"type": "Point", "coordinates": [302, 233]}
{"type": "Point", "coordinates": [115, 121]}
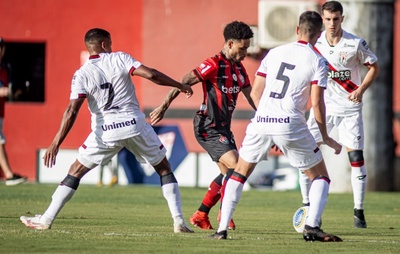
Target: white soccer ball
{"type": "Point", "coordinates": [299, 219]}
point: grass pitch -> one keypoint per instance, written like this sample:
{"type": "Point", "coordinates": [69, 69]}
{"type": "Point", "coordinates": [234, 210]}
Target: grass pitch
{"type": "Point", "coordinates": [135, 219]}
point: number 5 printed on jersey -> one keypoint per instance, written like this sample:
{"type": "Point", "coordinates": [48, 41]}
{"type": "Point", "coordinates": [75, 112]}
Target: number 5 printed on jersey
{"type": "Point", "coordinates": [284, 78]}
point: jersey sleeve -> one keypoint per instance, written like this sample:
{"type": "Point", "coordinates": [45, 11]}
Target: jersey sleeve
{"type": "Point", "coordinates": [77, 86]}
{"type": "Point", "coordinates": [262, 69]}
{"type": "Point", "coordinates": [130, 63]}
{"type": "Point", "coordinates": [321, 74]}
{"type": "Point", "coordinates": [364, 53]}
{"type": "Point", "coordinates": [206, 69]}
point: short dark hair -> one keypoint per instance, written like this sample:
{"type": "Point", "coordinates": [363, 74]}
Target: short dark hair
{"type": "Point", "coordinates": [310, 23]}
{"type": "Point", "coordinates": [237, 30]}
{"type": "Point", "coordinates": [332, 6]}
{"type": "Point", "coordinates": [96, 35]}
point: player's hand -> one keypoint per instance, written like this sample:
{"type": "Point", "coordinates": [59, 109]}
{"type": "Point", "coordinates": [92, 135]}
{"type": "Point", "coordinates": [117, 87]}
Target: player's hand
{"type": "Point", "coordinates": [49, 157]}
{"type": "Point", "coordinates": [187, 90]}
{"type": "Point", "coordinates": [333, 144]}
{"type": "Point", "coordinates": [157, 115]}
{"type": "Point", "coordinates": [355, 96]}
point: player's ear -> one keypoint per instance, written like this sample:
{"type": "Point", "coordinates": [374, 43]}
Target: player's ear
{"type": "Point", "coordinates": [230, 44]}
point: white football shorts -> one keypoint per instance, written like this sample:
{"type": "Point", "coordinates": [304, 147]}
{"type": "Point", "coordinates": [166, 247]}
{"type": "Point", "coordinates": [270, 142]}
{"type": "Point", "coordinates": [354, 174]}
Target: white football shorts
{"type": "Point", "coordinates": [2, 136]}
{"type": "Point", "coordinates": [146, 147]}
{"type": "Point", "coordinates": [300, 147]}
{"type": "Point", "coordinates": [350, 129]}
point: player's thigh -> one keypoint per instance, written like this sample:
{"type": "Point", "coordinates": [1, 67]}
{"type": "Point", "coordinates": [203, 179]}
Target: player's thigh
{"type": "Point", "coordinates": [217, 143]}
{"type": "Point", "coordinates": [300, 148]}
{"type": "Point", "coordinates": [351, 132]}
{"type": "Point", "coordinates": [255, 147]}
{"type": "Point", "coordinates": [94, 151]}
{"type": "Point", "coordinates": [229, 160]}
{"type": "Point", "coordinates": [146, 146]}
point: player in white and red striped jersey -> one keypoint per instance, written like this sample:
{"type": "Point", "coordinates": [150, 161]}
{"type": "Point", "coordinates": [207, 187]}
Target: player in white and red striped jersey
{"type": "Point", "coordinates": [345, 53]}
{"type": "Point", "coordinates": [117, 122]}
{"type": "Point", "coordinates": [288, 76]}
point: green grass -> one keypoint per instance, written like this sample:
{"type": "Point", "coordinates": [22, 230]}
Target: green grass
{"type": "Point", "coordinates": [136, 219]}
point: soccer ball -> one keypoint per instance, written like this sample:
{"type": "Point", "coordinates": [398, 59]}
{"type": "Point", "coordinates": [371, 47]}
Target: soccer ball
{"type": "Point", "coordinates": [299, 219]}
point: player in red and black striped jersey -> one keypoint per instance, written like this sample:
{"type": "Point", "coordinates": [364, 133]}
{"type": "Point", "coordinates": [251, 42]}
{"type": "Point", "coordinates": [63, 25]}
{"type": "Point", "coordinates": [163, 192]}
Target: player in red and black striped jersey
{"type": "Point", "coordinates": [223, 77]}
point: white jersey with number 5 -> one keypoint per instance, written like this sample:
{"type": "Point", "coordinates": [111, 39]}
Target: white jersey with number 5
{"type": "Point", "coordinates": [105, 80]}
{"type": "Point", "coordinates": [344, 73]}
{"type": "Point", "coordinates": [290, 70]}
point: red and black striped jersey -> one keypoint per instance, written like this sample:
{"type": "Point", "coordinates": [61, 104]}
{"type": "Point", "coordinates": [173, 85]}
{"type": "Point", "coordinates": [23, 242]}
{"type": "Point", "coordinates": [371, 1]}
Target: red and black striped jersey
{"type": "Point", "coordinates": [222, 82]}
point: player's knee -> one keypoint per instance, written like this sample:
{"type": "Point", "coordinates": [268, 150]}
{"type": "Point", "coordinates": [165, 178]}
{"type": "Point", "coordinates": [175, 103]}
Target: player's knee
{"type": "Point", "coordinates": [71, 181]}
{"type": "Point", "coordinates": [356, 158]}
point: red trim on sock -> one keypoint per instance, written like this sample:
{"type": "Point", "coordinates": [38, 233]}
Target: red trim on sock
{"type": "Point", "coordinates": [357, 164]}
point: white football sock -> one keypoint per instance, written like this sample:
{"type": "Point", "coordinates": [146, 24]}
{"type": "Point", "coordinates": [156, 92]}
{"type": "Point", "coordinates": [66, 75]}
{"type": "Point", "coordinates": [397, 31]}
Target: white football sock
{"type": "Point", "coordinates": [172, 195]}
{"type": "Point", "coordinates": [60, 196]}
{"type": "Point", "coordinates": [318, 198]}
{"type": "Point", "coordinates": [305, 185]}
{"type": "Point", "coordinates": [359, 184]}
{"type": "Point", "coordinates": [233, 192]}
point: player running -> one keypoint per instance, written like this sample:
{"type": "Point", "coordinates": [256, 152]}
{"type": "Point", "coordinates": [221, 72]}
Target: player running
{"type": "Point", "coordinates": [223, 77]}
{"type": "Point", "coordinates": [117, 122]}
{"type": "Point", "coordinates": [288, 76]}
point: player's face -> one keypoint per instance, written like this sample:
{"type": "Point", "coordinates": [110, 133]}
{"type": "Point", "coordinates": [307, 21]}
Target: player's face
{"type": "Point", "coordinates": [332, 22]}
{"type": "Point", "coordinates": [238, 49]}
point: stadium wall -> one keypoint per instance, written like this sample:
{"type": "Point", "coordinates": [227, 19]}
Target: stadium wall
{"type": "Point", "coordinates": [172, 36]}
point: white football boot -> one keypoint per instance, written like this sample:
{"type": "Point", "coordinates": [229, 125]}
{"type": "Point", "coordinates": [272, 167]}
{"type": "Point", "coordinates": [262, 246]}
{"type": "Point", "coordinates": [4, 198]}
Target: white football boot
{"type": "Point", "coordinates": [35, 222]}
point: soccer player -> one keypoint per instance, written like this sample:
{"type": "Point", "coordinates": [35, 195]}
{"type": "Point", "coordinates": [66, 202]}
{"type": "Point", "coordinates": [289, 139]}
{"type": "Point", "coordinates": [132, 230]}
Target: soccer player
{"type": "Point", "coordinates": [11, 178]}
{"type": "Point", "coordinates": [223, 77]}
{"type": "Point", "coordinates": [345, 52]}
{"type": "Point", "coordinates": [288, 76]}
{"type": "Point", "coordinates": [117, 122]}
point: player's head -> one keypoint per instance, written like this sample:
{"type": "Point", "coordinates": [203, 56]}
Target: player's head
{"type": "Point", "coordinates": [309, 28]}
{"type": "Point", "coordinates": [97, 41]}
{"type": "Point", "coordinates": [332, 6]}
{"type": "Point", "coordinates": [237, 37]}
{"type": "Point", "coordinates": [332, 15]}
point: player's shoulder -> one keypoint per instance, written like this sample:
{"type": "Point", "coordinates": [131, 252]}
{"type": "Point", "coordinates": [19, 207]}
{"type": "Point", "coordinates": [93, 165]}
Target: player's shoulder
{"type": "Point", "coordinates": [216, 58]}
{"type": "Point", "coordinates": [213, 61]}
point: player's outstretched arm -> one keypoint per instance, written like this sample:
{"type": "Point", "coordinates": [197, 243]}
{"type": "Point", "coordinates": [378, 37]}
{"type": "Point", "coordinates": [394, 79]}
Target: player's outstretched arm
{"type": "Point", "coordinates": [158, 114]}
{"type": "Point", "coordinates": [68, 120]}
{"type": "Point", "coordinates": [161, 79]}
